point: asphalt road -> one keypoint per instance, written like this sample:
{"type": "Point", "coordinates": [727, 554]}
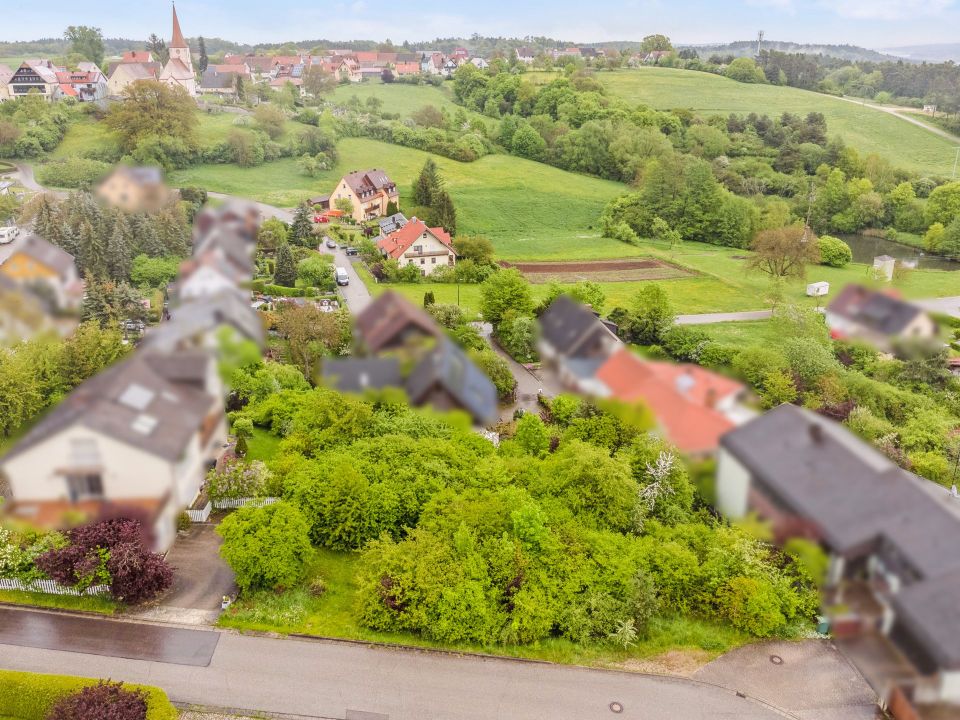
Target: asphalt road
{"type": "Point", "coordinates": [325, 679]}
{"type": "Point", "coordinates": [356, 295]}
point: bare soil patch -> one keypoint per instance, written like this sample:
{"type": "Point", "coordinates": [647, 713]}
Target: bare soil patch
{"type": "Point", "coordinates": [679, 663]}
{"type": "Point", "coordinates": [599, 271]}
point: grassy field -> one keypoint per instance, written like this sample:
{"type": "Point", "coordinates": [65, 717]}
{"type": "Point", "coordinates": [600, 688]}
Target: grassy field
{"type": "Point", "coordinates": [93, 603]}
{"type": "Point", "coordinates": [397, 98]}
{"type": "Point", "coordinates": [722, 283]}
{"type": "Point", "coordinates": [869, 130]}
{"type": "Point", "coordinates": [333, 614]}
{"type": "Point", "coordinates": [529, 210]}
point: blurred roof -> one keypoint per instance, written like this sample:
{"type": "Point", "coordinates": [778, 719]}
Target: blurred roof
{"type": "Point", "coordinates": [355, 375]}
{"type": "Point", "coordinates": [446, 367]}
{"type": "Point", "coordinates": [389, 319]}
{"type": "Point", "coordinates": [197, 318]}
{"type": "Point", "coordinates": [568, 325]}
{"type": "Point", "coordinates": [874, 310]}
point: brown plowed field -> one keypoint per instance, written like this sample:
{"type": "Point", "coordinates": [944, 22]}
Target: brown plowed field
{"type": "Point", "coordinates": [599, 271]}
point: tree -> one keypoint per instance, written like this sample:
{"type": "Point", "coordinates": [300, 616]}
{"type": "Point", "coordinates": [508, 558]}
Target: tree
{"type": "Point", "coordinates": [151, 272]}
{"type": "Point", "coordinates": [267, 547]}
{"type": "Point", "coordinates": [528, 143]}
{"type": "Point", "coordinates": [502, 292]}
{"type": "Point", "coordinates": [86, 41]}
{"type": "Point", "coordinates": [203, 61]}
{"type": "Point", "coordinates": [108, 302]}
{"type": "Point", "coordinates": [532, 436]}
{"type": "Point", "coordinates": [301, 231]}
{"type": "Point", "coordinates": [943, 206]}
{"type": "Point", "coordinates": [285, 273]}
{"type": "Point", "coordinates": [311, 334]}
{"type": "Point", "coordinates": [834, 252]}
{"type": "Point", "coordinates": [497, 369]}
{"type": "Point", "coordinates": [316, 271]}
{"type": "Point", "coordinates": [272, 234]}
{"type": "Point", "coordinates": [445, 214]}
{"type": "Point", "coordinates": [158, 48]}
{"type": "Point", "coordinates": [656, 43]}
{"type": "Point", "coordinates": [240, 89]}
{"type": "Point", "coordinates": [933, 238]}
{"type": "Point", "coordinates": [344, 205]}
{"type": "Point", "coordinates": [270, 119]}
{"type": "Point", "coordinates": [474, 247]}
{"type": "Point", "coordinates": [105, 700]}
{"type": "Point", "coordinates": [662, 232]}
{"type": "Point", "coordinates": [317, 81]}
{"type": "Point", "coordinates": [652, 315]}
{"type": "Point", "coordinates": [784, 252]}
{"type": "Point", "coordinates": [745, 70]}
{"type": "Point", "coordinates": [429, 116]}
{"type": "Point", "coordinates": [151, 110]}
{"type": "Point", "coordinates": [427, 184]}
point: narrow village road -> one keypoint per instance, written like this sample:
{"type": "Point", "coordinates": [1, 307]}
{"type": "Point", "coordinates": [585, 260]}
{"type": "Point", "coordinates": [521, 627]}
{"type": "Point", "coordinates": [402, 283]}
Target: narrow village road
{"type": "Point", "coordinates": [355, 295]}
{"type": "Point", "coordinates": [318, 679]}
{"type": "Point", "coordinates": [904, 115]}
{"type": "Point", "coordinates": [711, 318]}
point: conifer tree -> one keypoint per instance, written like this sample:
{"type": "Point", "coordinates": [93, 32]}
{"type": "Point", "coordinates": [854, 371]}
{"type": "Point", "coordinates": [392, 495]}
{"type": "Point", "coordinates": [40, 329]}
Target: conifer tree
{"type": "Point", "coordinates": [120, 249]}
{"type": "Point", "coordinates": [444, 213]}
{"type": "Point", "coordinates": [285, 273]}
{"type": "Point", "coordinates": [427, 185]}
{"type": "Point", "coordinates": [204, 61]}
{"type": "Point", "coordinates": [302, 229]}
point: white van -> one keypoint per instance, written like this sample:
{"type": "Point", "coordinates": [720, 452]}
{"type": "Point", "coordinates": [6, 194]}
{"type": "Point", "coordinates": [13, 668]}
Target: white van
{"type": "Point", "coordinates": [8, 234]}
{"type": "Point", "coordinates": [342, 277]}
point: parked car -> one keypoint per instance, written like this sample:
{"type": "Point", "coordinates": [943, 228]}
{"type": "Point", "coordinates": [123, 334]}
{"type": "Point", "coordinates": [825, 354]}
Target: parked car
{"type": "Point", "coordinates": [330, 243]}
{"type": "Point", "coordinates": [342, 277]}
{"type": "Point", "coordinates": [352, 251]}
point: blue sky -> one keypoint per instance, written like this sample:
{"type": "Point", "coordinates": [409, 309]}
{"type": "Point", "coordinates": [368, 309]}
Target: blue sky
{"type": "Point", "coordinates": [871, 23]}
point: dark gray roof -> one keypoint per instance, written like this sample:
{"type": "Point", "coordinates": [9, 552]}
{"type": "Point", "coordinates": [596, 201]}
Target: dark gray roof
{"type": "Point", "coordinates": [874, 310]}
{"type": "Point", "coordinates": [862, 502]}
{"type": "Point", "coordinates": [930, 612]}
{"type": "Point", "coordinates": [567, 325]}
{"type": "Point", "coordinates": [152, 401]}
{"type": "Point", "coordinates": [214, 80]}
{"type": "Point", "coordinates": [190, 321]}
{"type": "Point", "coordinates": [355, 375]}
{"type": "Point", "coordinates": [448, 368]}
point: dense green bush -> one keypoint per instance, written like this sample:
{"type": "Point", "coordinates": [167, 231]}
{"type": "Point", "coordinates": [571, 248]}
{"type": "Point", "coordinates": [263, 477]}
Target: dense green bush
{"type": "Point", "coordinates": [31, 696]}
{"type": "Point", "coordinates": [834, 252]}
{"type": "Point", "coordinates": [72, 172]}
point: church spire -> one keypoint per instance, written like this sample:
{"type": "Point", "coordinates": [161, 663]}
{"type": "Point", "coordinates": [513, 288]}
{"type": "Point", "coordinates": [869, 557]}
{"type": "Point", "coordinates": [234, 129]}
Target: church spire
{"type": "Point", "coordinates": [177, 40]}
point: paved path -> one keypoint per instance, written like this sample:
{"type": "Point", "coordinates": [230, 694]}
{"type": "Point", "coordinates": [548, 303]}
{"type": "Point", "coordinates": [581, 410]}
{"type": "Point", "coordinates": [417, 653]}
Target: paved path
{"type": "Point", "coordinates": [944, 305]}
{"type": "Point", "coordinates": [324, 679]}
{"type": "Point", "coordinates": [904, 114]}
{"type": "Point", "coordinates": [711, 318]}
{"type": "Point", "coordinates": [268, 211]}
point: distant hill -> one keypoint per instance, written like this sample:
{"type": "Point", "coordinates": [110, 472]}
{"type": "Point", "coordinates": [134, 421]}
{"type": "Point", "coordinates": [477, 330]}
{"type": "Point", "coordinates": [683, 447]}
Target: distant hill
{"type": "Point", "coordinates": [744, 48]}
{"type": "Point", "coordinates": [936, 53]}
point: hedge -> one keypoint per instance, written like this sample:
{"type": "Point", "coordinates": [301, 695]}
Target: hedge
{"type": "Point", "coordinates": [31, 696]}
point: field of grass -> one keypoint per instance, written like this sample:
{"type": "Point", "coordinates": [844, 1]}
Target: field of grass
{"type": "Point", "coordinates": [333, 614]}
{"type": "Point", "coordinates": [262, 445]}
{"type": "Point", "coordinates": [529, 210]}
{"type": "Point", "coordinates": [722, 283]}
{"type": "Point", "coordinates": [867, 129]}
{"type": "Point", "coordinates": [396, 97]}
{"type": "Point", "coordinates": [752, 332]}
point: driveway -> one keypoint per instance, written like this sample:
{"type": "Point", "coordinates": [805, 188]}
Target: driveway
{"type": "Point", "coordinates": [810, 679]}
{"type": "Point", "coordinates": [317, 679]}
{"type": "Point", "coordinates": [201, 578]}
{"type": "Point", "coordinates": [355, 295]}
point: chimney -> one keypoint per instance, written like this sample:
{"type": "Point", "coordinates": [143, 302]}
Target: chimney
{"type": "Point", "coordinates": [711, 399]}
{"type": "Point", "coordinates": [816, 433]}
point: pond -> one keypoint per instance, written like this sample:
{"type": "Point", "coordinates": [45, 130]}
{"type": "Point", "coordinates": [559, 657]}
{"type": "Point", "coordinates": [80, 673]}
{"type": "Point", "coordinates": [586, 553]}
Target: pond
{"type": "Point", "coordinates": [866, 248]}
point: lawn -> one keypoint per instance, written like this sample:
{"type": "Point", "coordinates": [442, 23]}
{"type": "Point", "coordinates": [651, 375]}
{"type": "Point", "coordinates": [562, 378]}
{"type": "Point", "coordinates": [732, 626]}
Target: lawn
{"type": "Point", "coordinates": [722, 283]}
{"type": "Point", "coordinates": [87, 603]}
{"type": "Point", "coordinates": [333, 614]}
{"type": "Point", "coordinates": [396, 97]}
{"type": "Point", "coordinates": [529, 210]}
{"type": "Point", "coordinates": [867, 129]}
{"type": "Point", "coordinates": [752, 332]}
{"type": "Point", "coordinates": [262, 445]}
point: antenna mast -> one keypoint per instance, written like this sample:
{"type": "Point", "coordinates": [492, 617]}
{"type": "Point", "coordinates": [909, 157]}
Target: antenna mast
{"type": "Point", "coordinates": [759, 42]}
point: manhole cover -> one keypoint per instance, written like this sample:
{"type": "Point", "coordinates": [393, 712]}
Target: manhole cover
{"type": "Point", "coordinates": [776, 660]}
{"type": "Point", "coordinates": [616, 707]}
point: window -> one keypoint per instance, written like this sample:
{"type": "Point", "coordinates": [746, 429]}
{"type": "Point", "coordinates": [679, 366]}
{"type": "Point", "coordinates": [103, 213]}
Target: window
{"type": "Point", "coordinates": [433, 261]}
{"type": "Point", "coordinates": [84, 485]}
{"type": "Point", "coordinates": [423, 261]}
{"type": "Point", "coordinates": [418, 249]}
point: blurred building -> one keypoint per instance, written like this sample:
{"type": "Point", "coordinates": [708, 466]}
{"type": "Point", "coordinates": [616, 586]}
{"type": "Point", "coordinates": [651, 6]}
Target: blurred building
{"type": "Point", "coordinates": [49, 271]}
{"type": "Point", "coordinates": [199, 323]}
{"type": "Point", "coordinates": [892, 538]}
{"type": "Point", "coordinates": [141, 434]}
{"type": "Point", "coordinates": [135, 189]}
{"type": "Point", "coordinates": [575, 342]}
{"type": "Point", "coordinates": [878, 318]}
{"type": "Point", "coordinates": [693, 406]}
{"type": "Point", "coordinates": [392, 323]}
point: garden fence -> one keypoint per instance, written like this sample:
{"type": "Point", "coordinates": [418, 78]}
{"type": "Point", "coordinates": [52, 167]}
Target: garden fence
{"type": "Point", "coordinates": [201, 515]}
{"type": "Point", "coordinates": [231, 503]}
{"type": "Point", "coordinates": [50, 587]}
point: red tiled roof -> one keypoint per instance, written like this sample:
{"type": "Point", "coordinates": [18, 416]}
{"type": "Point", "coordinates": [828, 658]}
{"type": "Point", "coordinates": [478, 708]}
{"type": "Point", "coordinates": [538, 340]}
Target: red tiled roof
{"type": "Point", "coordinates": [681, 397]}
{"type": "Point", "coordinates": [67, 89]}
{"type": "Point", "coordinates": [397, 243]}
{"type": "Point", "coordinates": [407, 68]}
{"type": "Point", "coordinates": [137, 56]}
{"type": "Point", "coordinates": [177, 40]}
{"type": "Point", "coordinates": [240, 68]}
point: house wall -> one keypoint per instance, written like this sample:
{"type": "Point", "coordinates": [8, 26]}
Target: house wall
{"type": "Point", "coordinates": [922, 326]}
{"type": "Point", "coordinates": [950, 686]}
{"type": "Point", "coordinates": [23, 268]}
{"type": "Point", "coordinates": [732, 486]}
{"type": "Point", "coordinates": [127, 472]}
{"type": "Point", "coordinates": [204, 282]}
{"type": "Point", "coordinates": [434, 254]}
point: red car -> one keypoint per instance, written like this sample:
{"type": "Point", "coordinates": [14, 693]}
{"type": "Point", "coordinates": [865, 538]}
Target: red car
{"type": "Point", "coordinates": [321, 219]}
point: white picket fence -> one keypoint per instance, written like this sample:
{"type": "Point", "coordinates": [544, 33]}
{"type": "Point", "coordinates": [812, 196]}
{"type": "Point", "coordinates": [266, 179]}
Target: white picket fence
{"type": "Point", "coordinates": [201, 515]}
{"type": "Point", "coordinates": [232, 503]}
{"type": "Point", "coordinates": [51, 587]}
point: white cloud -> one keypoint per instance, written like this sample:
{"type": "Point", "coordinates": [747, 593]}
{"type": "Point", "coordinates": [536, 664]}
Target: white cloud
{"type": "Point", "coordinates": [887, 9]}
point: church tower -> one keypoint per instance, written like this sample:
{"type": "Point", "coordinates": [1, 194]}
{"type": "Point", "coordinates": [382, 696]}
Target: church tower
{"type": "Point", "coordinates": [179, 68]}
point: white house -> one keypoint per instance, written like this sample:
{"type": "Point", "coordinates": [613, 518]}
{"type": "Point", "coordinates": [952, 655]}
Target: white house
{"type": "Point", "coordinates": [140, 435]}
{"type": "Point", "coordinates": [416, 244]}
